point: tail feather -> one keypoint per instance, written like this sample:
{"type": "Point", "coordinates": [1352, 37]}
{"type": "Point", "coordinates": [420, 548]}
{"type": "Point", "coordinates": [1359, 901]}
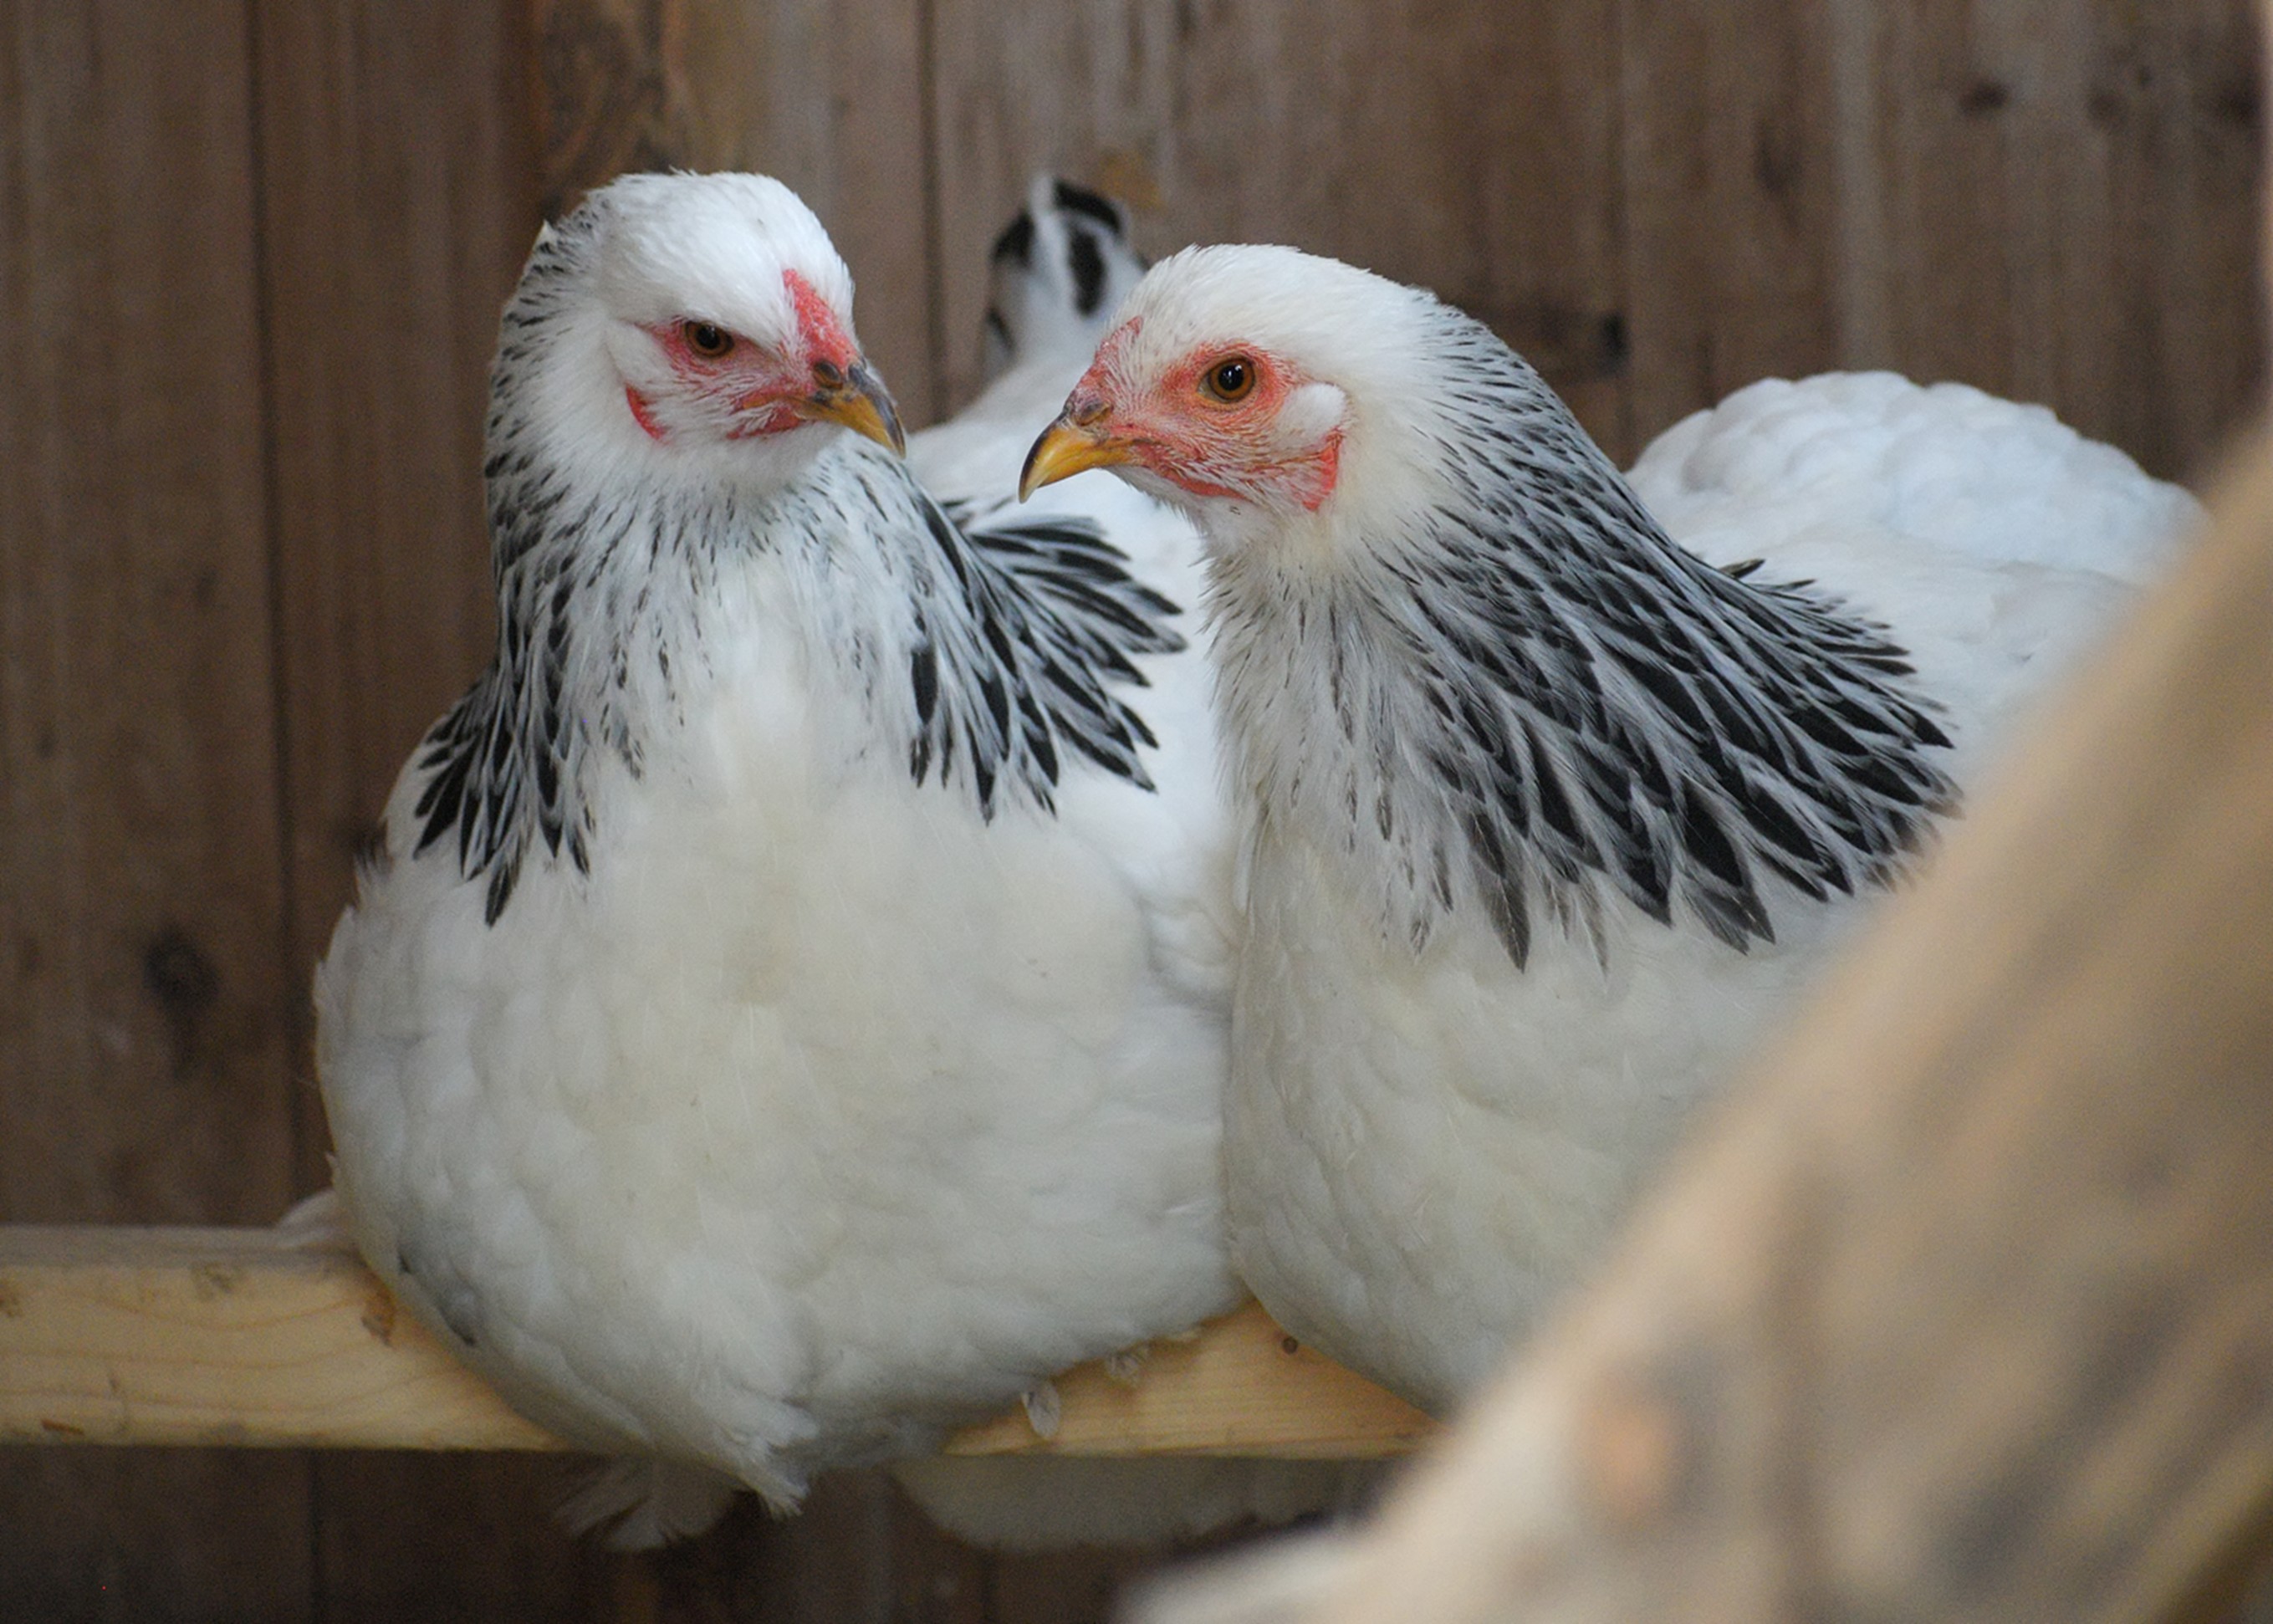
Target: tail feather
{"type": "Point", "coordinates": [643, 1502]}
{"type": "Point", "coordinates": [1059, 270]}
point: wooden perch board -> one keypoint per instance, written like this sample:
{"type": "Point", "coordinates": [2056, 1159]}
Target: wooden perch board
{"type": "Point", "coordinates": [232, 1336]}
{"type": "Point", "coordinates": [1963, 1308]}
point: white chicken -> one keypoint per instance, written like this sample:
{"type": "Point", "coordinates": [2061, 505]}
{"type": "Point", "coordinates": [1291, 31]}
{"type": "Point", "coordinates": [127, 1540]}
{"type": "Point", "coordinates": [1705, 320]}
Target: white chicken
{"type": "Point", "coordinates": [784, 1017]}
{"type": "Point", "coordinates": [1545, 818]}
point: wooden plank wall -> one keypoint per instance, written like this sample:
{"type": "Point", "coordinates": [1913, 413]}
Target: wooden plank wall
{"type": "Point", "coordinates": [251, 256]}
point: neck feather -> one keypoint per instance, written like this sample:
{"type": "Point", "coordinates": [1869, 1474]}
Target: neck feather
{"type": "Point", "coordinates": [975, 655]}
{"type": "Point", "coordinates": [1517, 695]}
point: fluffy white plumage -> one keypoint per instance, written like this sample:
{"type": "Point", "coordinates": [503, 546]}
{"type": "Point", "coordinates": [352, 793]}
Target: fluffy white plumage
{"type": "Point", "coordinates": [1059, 272]}
{"type": "Point", "coordinates": [1545, 820]}
{"type": "Point", "coordinates": [779, 1023]}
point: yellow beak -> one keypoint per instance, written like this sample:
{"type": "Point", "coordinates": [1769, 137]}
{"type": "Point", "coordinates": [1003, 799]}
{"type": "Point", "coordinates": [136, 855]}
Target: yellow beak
{"type": "Point", "coordinates": [860, 403]}
{"type": "Point", "coordinates": [1077, 440]}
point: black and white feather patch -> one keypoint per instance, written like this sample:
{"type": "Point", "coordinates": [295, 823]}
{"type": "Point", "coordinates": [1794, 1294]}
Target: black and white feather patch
{"type": "Point", "coordinates": [1022, 629]}
{"type": "Point", "coordinates": [1610, 710]}
{"type": "Point", "coordinates": [1044, 618]}
{"type": "Point", "coordinates": [1080, 200]}
{"type": "Point", "coordinates": [1532, 689]}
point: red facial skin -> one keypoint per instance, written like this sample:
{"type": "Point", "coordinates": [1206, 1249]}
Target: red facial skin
{"type": "Point", "coordinates": [1180, 431]}
{"type": "Point", "coordinates": [760, 388]}
{"type": "Point", "coordinates": [641, 415]}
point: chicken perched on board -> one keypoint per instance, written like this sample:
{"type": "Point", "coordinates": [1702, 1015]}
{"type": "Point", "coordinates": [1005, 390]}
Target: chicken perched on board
{"type": "Point", "coordinates": [786, 1016]}
{"type": "Point", "coordinates": [1059, 270]}
{"type": "Point", "coordinates": [1546, 816]}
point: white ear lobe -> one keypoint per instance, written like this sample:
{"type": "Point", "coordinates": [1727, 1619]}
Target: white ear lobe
{"type": "Point", "coordinates": [638, 358]}
{"type": "Point", "coordinates": [1313, 412]}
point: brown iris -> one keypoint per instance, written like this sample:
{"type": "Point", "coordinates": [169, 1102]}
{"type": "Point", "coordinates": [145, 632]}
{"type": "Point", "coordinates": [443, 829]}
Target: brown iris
{"type": "Point", "coordinates": [1231, 378]}
{"type": "Point", "coordinates": [708, 339]}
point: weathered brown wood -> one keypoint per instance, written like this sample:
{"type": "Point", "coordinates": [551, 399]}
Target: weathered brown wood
{"type": "Point", "coordinates": [398, 196]}
{"type": "Point", "coordinates": [855, 1553]}
{"type": "Point", "coordinates": [1470, 146]}
{"type": "Point", "coordinates": [823, 97]}
{"type": "Point", "coordinates": [466, 1534]}
{"type": "Point", "coordinates": [156, 176]}
{"type": "Point", "coordinates": [143, 1000]}
{"type": "Point", "coordinates": [397, 202]}
{"type": "Point", "coordinates": [139, 899]}
{"type": "Point", "coordinates": [2051, 204]}
{"type": "Point", "coordinates": [1730, 200]}
{"type": "Point", "coordinates": [856, 1556]}
{"type": "Point", "coordinates": [2047, 201]}
{"type": "Point", "coordinates": [1961, 1308]}
{"type": "Point", "coordinates": [125, 1336]}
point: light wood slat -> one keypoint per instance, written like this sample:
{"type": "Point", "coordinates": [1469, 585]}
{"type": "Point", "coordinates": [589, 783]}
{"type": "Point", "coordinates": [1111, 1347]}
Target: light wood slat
{"type": "Point", "coordinates": [223, 1337]}
{"type": "Point", "coordinates": [1241, 1386]}
{"type": "Point", "coordinates": [230, 1336]}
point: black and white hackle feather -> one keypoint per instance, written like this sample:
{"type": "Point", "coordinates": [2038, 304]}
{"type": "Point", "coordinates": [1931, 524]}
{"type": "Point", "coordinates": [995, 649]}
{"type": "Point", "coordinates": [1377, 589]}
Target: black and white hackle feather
{"type": "Point", "coordinates": [1594, 710]}
{"type": "Point", "coordinates": [1021, 631]}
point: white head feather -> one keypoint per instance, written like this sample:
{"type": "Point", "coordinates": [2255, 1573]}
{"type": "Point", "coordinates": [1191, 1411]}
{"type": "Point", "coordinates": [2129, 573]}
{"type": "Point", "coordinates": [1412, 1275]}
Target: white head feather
{"type": "Point", "coordinates": [668, 248]}
{"type": "Point", "coordinates": [1363, 348]}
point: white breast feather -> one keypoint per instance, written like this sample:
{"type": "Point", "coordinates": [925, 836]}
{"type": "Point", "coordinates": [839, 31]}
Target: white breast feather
{"type": "Point", "coordinates": [727, 1097]}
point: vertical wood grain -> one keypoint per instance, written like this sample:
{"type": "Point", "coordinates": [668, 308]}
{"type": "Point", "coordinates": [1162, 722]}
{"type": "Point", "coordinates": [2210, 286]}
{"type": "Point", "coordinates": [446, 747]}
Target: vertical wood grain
{"type": "Point", "coordinates": [855, 1555]}
{"type": "Point", "coordinates": [397, 202]}
{"type": "Point", "coordinates": [404, 1536]}
{"type": "Point", "coordinates": [2052, 199]}
{"type": "Point", "coordinates": [1470, 146]}
{"type": "Point", "coordinates": [251, 258]}
{"type": "Point", "coordinates": [142, 979]}
{"type": "Point", "coordinates": [399, 195]}
{"type": "Point", "coordinates": [1729, 196]}
{"type": "Point", "coordinates": [2182, 250]}
{"type": "Point", "coordinates": [141, 886]}
{"type": "Point", "coordinates": [2048, 198]}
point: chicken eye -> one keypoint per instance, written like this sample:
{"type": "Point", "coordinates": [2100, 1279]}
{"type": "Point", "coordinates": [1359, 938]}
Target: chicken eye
{"type": "Point", "coordinates": [1231, 378]}
{"type": "Point", "coordinates": [708, 339]}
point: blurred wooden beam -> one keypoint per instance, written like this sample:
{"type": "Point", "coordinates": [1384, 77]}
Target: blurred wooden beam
{"type": "Point", "coordinates": [1963, 1308]}
{"type": "Point", "coordinates": [232, 1337]}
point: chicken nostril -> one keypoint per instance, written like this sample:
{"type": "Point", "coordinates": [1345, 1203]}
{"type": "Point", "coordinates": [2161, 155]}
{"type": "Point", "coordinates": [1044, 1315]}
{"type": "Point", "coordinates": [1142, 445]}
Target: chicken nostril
{"type": "Point", "coordinates": [828, 375]}
{"type": "Point", "coordinates": [1088, 414]}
